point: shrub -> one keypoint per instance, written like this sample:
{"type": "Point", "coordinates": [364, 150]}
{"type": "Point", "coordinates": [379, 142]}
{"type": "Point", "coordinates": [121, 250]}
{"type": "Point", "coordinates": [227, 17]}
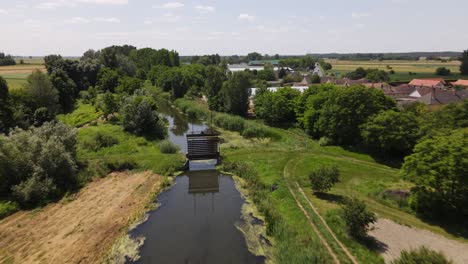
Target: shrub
{"type": "Point", "coordinates": [101, 140]}
{"type": "Point", "coordinates": [139, 117]}
{"type": "Point", "coordinates": [442, 71]}
{"type": "Point", "coordinates": [258, 131]}
{"type": "Point", "coordinates": [7, 208]}
{"type": "Point", "coordinates": [168, 147]}
{"type": "Point", "coordinates": [421, 255]}
{"type": "Point", "coordinates": [325, 141]}
{"type": "Point", "coordinates": [324, 178]}
{"type": "Point", "coordinates": [121, 164]}
{"type": "Point", "coordinates": [229, 122]}
{"type": "Point", "coordinates": [357, 217]}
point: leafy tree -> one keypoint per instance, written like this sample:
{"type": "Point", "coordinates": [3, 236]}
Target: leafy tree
{"type": "Point", "coordinates": [375, 75]}
{"type": "Point", "coordinates": [235, 93]}
{"type": "Point", "coordinates": [326, 66]}
{"type": "Point", "coordinates": [53, 62]}
{"type": "Point", "coordinates": [464, 63]}
{"type": "Point", "coordinates": [276, 107]}
{"type": "Point", "coordinates": [108, 103]}
{"type": "Point", "coordinates": [281, 73]}
{"type": "Point", "coordinates": [439, 168]}
{"type": "Point", "coordinates": [338, 113]}
{"type": "Point", "coordinates": [38, 164]}
{"type": "Point", "coordinates": [129, 85]}
{"type": "Point", "coordinates": [391, 132]}
{"type": "Point", "coordinates": [42, 92]}
{"type": "Point", "coordinates": [126, 65]}
{"type": "Point", "coordinates": [357, 217]}
{"type": "Point", "coordinates": [66, 89]}
{"type": "Point", "coordinates": [324, 178]}
{"type": "Point", "coordinates": [6, 60]}
{"type": "Point", "coordinates": [139, 117]}
{"type": "Point", "coordinates": [6, 118]}
{"type": "Point", "coordinates": [442, 71]}
{"type": "Point", "coordinates": [254, 56]}
{"type": "Point", "coordinates": [421, 255]}
{"type": "Point", "coordinates": [90, 55]}
{"type": "Point", "coordinates": [359, 73]}
{"type": "Point", "coordinates": [146, 58]}
{"type": "Point", "coordinates": [108, 80]}
{"type": "Point", "coordinates": [315, 79]}
{"type": "Point", "coordinates": [443, 120]}
{"type": "Point", "coordinates": [266, 75]}
{"type": "Point", "coordinates": [215, 77]}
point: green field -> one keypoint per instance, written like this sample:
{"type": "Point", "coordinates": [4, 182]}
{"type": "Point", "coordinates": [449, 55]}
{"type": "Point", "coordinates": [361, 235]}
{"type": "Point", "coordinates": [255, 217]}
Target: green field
{"type": "Point", "coordinates": [16, 75]}
{"type": "Point", "coordinates": [420, 69]}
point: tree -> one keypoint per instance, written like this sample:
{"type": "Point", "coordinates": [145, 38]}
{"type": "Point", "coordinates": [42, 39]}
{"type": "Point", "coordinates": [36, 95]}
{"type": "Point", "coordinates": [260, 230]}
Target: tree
{"type": "Point", "coordinates": [276, 107]}
{"type": "Point", "coordinates": [42, 92]}
{"type": "Point", "coordinates": [66, 89]}
{"type": "Point", "coordinates": [391, 132]}
{"type": "Point", "coordinates": [139, 117]}
{"type": "Point", "coordinates": [235, 93]}
{"type": "Point", "coordinates": [108, 80]}
{"type": "Point", "coordinates": [375, 75]}
{"type": "Point", "coordinates": [357, 217]}
{"type": "Point", "coordinates": [254, 56]}
{"type": "Point", "coordinates": [53, 62]}
{"type": "Point", "coordinates": [327, 66]}
{"type": "Point", "coordinates": [464, 63]}
{"type": "Point", "coordinates": [129, 85]}
{"type": "Point", "coordinates": [315, 79]}
{"type": "Point", "coordinates": [266, 75]}
{"type": "Point", "coordinates": [324, 178]}
{"type": "Point", "coordinates": [108, 103]}
{"type": "Point", "coordinates": [421, 255]}
{"type": "Point", "coordinates": [215, 77]}
{"type": "Point", "coordinates": [6, 60]}
{"type": "Point", "coordinates": [338, 113]}
{"type": "Point", "coordinates": [439, 168]}
{"type": "Point", "coordinates": [6, 118]}
{"type": "Point", "coordinates": [359, 73]}
{"type": "Point", "coordinates": [442, 71]}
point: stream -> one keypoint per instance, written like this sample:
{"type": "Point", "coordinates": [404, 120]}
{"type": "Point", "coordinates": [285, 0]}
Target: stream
{"type": "Point", "coordinates": [195, 222]}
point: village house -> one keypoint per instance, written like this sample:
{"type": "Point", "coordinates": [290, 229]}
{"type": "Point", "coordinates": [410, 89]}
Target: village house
{"type": "Point", "coordinates": [460, 83]}
{"type": "Point", "coordinates": [430, 82]}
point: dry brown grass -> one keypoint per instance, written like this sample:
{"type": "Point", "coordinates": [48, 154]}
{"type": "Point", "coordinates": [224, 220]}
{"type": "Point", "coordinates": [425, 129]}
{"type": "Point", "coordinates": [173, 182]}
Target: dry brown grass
{"type": "Point", "coordinates": [81, 230]}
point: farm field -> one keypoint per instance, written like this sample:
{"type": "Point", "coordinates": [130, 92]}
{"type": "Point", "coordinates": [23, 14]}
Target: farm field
{"type": "Point", "coordinates": [420, 69]}
{"type": "Point", "coordinates": [16, 75]}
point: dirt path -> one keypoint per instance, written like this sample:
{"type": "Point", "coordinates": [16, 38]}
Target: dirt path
{"type": "Point", "coordinates": [79, 231]}
{"type": "Point", "coordinates": [396, 238]}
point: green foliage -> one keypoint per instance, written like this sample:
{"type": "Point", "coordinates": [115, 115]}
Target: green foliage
{"type": "Point", "coordinates": [259, 131]}
{"type": "Point", "coordinates": [41, 92]}
{"type": "Point", "coordinates": [235, 94]}
{"type": "Point", "coordinates": [108, 80]}
{"type": "Point", "coordinates": [7, 208]}
{"type": "Point", "coordinates": [324, 141]}
{"type": "Point", "coordinates": [323, 178]}
{"type": "Point", "coordinates": [373, 75]}
{"type": "Point", "coordinates": [391, 131]}
{"type": "Point", "coordinates": [108, 103]}
{"type": "Point", "coordinates": [442, 71]}
{"type": "Point", "coordinates": [128, 85]}
{"type": "Point", "coordinates": [229, 122]}
{"type": "Point", "coordinates": [421, 255]}
{"type": "Point", "coordinates": [266, 75]}
{"type": "Point", "coordinates": [83, 114]}
{"type": "Point", "coordinates": [167, 147]}
{"type": "Point", "coordinates": [357, 217]}
{"type": "Point", "coordinates": [326, 66]}
{"type": "Point", "coordinates": [6, 115]}
{"type": "Point", "coordinates": [192, 109]}
{"type": "Point", "coordinates": [339, 112]}
{"type": "Point", "coordinates": [254, 56]}
{"type": "Point", "coordinates": [439, 167]}
{"type": "Point", "coordinates": [215, 77]}
{"type": "Point", "coordinates": [178, 80]}
{"type": "Point", "coordinates": [303, 63]}
{"type": "Point", "coordinates": [139, 116]}
{"type": "Point", "coordinates": [38, 164]}
{"type": "Point", "coordinates": [449, 117]}
{"type": "Point", "coordinates": [100, 140]}
{"type": "Point", "coordinates": [206, 60]}
{"type": "Point", "coordinates": [315, 79]}
{"type": "Point", "coordinates": [277, 107]}
{"type": "Point", "coordinates": [464, 63]}
{"type": "Point", "coordinates": [6, 60]}
{"type": "Point", "coordinates": [147, 57]}
{"type": "Point", "coordinates": [67, 90]}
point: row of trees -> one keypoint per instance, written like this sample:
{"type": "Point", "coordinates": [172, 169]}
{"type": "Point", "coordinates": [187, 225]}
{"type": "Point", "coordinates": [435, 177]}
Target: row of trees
{"type": "Point", "coordinates": [373, 75]}
{"type": "Point", "coordinates": [6, 60]}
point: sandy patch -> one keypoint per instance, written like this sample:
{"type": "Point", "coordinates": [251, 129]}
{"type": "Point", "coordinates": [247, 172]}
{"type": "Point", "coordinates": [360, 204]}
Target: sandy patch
{"type": "Point", "coordinates": [82, 230]}
{"type": "Point", "coordinates": [396, 238]}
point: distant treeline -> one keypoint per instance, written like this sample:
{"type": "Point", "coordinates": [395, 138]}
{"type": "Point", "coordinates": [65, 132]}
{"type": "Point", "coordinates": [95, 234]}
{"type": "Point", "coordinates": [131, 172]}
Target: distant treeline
{"type": "Point", "coordinates": [389, 56]}
{"type": "Point", "coordinates": [6, 60]}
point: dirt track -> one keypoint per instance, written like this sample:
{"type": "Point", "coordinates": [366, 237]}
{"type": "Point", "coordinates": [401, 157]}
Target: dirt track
{"type": "Point", "coordinates": [396, 237]}
{"type": "Point", "coordinates": [79, 231]}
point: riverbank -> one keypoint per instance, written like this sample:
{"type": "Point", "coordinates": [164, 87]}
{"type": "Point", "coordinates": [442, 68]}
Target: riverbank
{"type": "Point", "coordinates": [80, 228]}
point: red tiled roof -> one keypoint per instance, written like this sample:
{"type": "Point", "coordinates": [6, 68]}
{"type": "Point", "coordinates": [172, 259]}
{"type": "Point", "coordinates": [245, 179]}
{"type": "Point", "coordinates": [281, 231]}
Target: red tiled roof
{"type": "Point", "coordinates": [427, 82]}
{"type": "Point", "coordinates": [460, 83]}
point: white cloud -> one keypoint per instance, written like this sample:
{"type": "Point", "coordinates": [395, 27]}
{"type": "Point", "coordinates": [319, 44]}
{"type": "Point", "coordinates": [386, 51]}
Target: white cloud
{"type": "Point", "coordinates": [246, 17]}
{"type": "Point", "coordinates": [104, 2]}
{"type": "Point", "coordinates": [32, 23]}
{"type": "Point", "coordinates": [359, 15]}
{"type": "Point", "coordinates": [170, 18]}
{"type": "Point", "coordinates": [77, 21]}
{"type": "Point", "coordinates": [205, 9]}
{"type": "Point", "coordinates": [3, 11]}
{"type": "Point", "coordinates": [148, 21]}
{"type": "Point", "coordinates": [53, 4]}
{"type": "Point", "coordinates": [107, 19]}
{"type": "Point", "coordinates": [170, 5]}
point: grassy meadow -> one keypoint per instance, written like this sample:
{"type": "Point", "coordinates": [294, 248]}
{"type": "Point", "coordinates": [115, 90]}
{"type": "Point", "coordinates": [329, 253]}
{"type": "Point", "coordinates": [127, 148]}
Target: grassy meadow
{"type": "Point", "coordinates": [420, 69]}
{"type": "Point", "coordinates": [16, 75]}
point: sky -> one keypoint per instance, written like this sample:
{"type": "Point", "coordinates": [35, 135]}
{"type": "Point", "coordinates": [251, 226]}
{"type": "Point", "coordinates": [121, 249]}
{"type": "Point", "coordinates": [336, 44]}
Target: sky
{"type": "Point", "coordinates": [294, 27]}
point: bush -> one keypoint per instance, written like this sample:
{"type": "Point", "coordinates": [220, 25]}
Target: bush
{"type": "Point", "coordinates": [101, 140]}
{"type": "Point", "coordinates": [324, 178]}
{"type": "Point", "coordinates": [121, 164]}
{"type": "Point", "coordinates": [325, 141]}
{"type": "Point", "coordinates": [442, 71]}
{"type": "Point", "coordinates": [229, 122]}
{"type": "Point", "coordinates": [139, 117]}
{"type": "Point", "coordinates": [357, 217]}
{"type": "Point", "coordinates": [7, 208]}
{"type": "Point", "coordinates": [421, 255]}
{"type": "Point", "coordinates": [168, 147]}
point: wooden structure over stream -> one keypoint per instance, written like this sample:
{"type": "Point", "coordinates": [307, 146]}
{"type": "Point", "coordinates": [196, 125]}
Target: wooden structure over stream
{"type": "Point", "coordinates": [203, 146]}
